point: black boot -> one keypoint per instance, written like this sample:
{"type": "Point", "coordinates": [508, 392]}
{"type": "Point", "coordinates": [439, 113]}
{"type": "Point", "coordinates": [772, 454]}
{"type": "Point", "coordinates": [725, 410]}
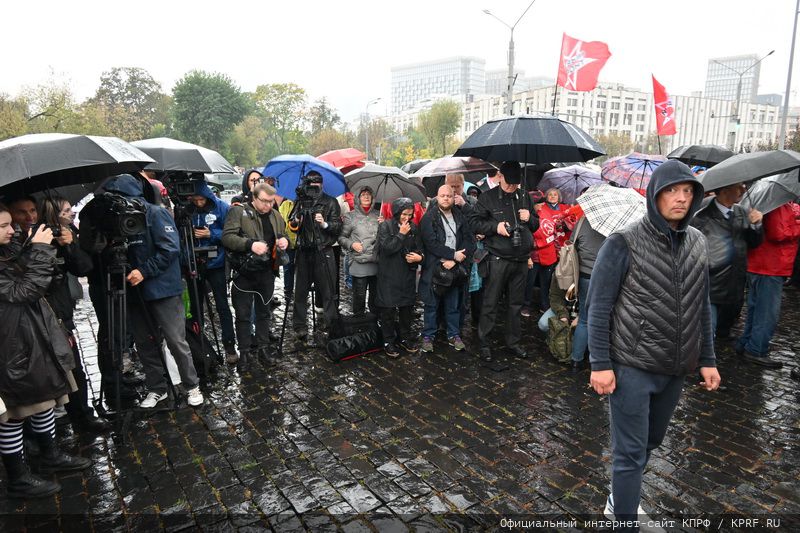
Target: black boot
{"type": "Point", "coordinates": [52, 459]}
{"type": "Point", "coordinates": [23, 484]}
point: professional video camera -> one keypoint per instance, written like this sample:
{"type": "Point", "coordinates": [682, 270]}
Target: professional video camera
{"type": "Point", "coordinates": [308, 193]}
{"type": "Point", "coordinates": [116, 216]}
{"type": "Point", "coordinates": [181, 187]}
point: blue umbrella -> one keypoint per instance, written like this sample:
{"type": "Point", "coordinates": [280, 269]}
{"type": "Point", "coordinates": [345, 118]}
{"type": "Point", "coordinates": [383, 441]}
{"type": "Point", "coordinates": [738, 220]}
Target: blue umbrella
{"type": "Point", "coordinates": [288, 170]}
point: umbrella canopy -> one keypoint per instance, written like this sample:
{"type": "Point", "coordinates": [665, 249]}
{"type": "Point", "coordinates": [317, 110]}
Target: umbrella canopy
{"type": "Point", "coordinates": [748, 167]}
{"type": "Point", "coordinates": [706, 155]}
{"type": "Point", "coordinates": [288, 170]}
{"type": "Point", "coordinates": [345, 159]}
{"type": "Point", "coordinates": [570, 181]}
{"type": "Point", "coordinates": [632, 171]}
{"type": "Point", "coordinates": [178, 156]}
{"type": "Point", "coordinates": [387, 183]}
{"type": "Point", "coordinates": [42, 161]}
{"type": "Point", "coordinates": [770, 193]}
{"type": "Point", "coordinates": [453, 165]}
{"type": "Point", "coordinates": [609, 208]}
{"type": "Point", "coordinates": [530, 139]}
{"type": "Point", "coordinates": [413, 166]}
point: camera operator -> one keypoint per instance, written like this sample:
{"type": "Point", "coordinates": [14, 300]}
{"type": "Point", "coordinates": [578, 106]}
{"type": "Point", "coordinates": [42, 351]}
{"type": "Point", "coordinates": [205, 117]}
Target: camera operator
{"type": "Point", "coordinates": [208, 215]}
{"type": "Point", "coordinates": [505, 216]}
{"type": "Point", "coordinates": [35, 362]}
{"type": "Point", "coordinates": [254, 235]}
{"type": "Point", "coordinates": [154, 258]}
{"type": "Point", "coordinates": [73, 263]}
{"type": "Point", "coordinates": [317, 219]}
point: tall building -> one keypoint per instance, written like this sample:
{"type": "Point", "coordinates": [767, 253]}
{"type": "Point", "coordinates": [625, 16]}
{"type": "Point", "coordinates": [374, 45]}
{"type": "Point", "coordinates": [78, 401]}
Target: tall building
{"type": "Point", "coordinates": [451, 76]}
{"type": "Point", "coordinates": [724, 73]}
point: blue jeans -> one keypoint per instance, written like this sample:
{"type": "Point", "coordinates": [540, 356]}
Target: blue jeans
{"type": "Point", "coordinates": [763, 311]}
{"type": "Point", "coordinates": [451, 301]}
{"type": "Point", "coordinates": [640, 410]}
{"type": "Point", "coordinates": [544, 321]}
{"type": "Point", "coordinates": [580, 339]}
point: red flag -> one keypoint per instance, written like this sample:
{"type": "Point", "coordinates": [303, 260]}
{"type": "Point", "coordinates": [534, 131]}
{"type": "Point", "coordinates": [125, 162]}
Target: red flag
{"type": "Point", "coordinates": [581, 63]}
{"type": "Point", "coordinates": [665, 110]}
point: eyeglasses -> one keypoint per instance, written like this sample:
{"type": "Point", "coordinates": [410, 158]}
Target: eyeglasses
{"type": "Point", "coordinates": [263, 200]}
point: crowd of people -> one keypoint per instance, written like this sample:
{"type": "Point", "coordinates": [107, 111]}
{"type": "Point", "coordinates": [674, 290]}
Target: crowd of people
{"type": "Point", "coordinates": [461, 255]}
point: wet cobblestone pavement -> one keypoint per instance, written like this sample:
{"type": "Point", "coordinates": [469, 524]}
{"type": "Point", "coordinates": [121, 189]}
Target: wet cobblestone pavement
{"type": "Point", "coordinates": [424, 442]}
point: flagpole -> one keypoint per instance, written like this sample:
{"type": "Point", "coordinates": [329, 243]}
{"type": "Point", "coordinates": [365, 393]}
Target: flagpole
{"type": "Point", "coordinates": [660, 151]}
{"type": "Point", "coordinates": [554, 100]}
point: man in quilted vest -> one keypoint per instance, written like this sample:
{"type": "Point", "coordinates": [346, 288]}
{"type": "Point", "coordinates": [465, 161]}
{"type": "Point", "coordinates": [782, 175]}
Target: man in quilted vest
{"type": "Point", "coordinates": [649, 326]}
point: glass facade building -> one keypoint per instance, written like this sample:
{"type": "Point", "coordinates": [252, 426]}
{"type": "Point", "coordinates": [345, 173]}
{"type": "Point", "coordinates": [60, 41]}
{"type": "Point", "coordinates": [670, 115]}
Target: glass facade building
{"type": "Point", "coordinates": [452, 76]}
{"type": "Point", "coordinates": [722, 77]}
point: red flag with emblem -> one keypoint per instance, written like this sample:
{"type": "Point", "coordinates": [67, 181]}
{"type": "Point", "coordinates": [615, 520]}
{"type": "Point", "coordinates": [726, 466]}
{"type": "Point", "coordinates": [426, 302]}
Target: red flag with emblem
{"type": "Point", "coordinates": [665, 110]}
{"type": "Point", "coordinates": [581, 63]}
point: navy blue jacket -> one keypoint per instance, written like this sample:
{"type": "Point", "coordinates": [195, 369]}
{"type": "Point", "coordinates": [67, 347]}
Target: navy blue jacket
{"type": "Point", "coordinates": [156, 252]}
{"type": "Point", "coordinates": [212, 216]}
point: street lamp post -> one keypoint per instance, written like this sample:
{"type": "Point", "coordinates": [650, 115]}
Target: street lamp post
{"type": "Point", "coordinates": [510, 85]}
{"type": "Point", "coordinates": [366, 129]}
{"type": "Point", "coordinates": [785, 110]}
{"type": "Point", "coordinates": [738, 102]}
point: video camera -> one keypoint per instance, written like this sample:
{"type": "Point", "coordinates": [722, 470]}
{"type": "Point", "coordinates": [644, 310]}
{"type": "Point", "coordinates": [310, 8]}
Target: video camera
{"type": "Point", "coordinates": [308, 192]}
{"type": "Point", "coordinates": [181, 187]}
{"type": "Point", "coordinates": [116, 216]}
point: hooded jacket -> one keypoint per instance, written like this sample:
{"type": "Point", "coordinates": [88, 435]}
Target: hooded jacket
{"type": "Point", "coordinates": [361, 226]}
{"type": "Point", "coordinates": [36, 354]}
{"type": "Point", "coordinates": [397, 278]}
{"type": "Point", "coordinates": [212, 216]}
{"type": "Point", "coordinates": [156, 252]}
{"type": "Point", "coordinates": [649, 305]}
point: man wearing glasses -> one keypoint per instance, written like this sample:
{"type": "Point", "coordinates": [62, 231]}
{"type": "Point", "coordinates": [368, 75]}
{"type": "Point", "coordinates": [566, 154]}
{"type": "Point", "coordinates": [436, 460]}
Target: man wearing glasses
{"type": "Point", "coordinates": [252, 233]}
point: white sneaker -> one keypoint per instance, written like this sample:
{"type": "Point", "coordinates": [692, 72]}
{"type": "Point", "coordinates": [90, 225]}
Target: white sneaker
{"type": "Point", "coordinates": [152, 399]}
{"type": "Point", "coordinates": [608, 512]}
{"type": "Point", "coordinates": [194, 397]}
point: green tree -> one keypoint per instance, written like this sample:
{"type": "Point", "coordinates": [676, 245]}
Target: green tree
{"type": "Point", "coordinates": [281, 107]}
{"type": "Point", "coordinates": [615, 144]}
{"type": "Point", "coordinates": [132, 101]}
{"type": "Point", "coordinates": [246, 143]}
{"type": "Point", "coordinates": [322, 116]}
{"type": "Point", "coordinates": [13, 117]}
{"type": "Point", "coordinates": [329, 139]}
{"type": "Point", "coordinates": [439, 123]}
{"type": "Point", "coordinates": [207, 107]}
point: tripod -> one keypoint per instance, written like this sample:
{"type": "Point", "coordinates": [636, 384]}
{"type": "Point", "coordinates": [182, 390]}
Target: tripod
{"type": "Point", "coordinates": [117, 319]}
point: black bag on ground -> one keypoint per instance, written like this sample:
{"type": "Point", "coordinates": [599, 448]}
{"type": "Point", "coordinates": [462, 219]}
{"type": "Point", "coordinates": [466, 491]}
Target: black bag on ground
{"type": "Point", "coordinates": [205, 360]}
{"type": "Point", "coordinates": [354, 336]}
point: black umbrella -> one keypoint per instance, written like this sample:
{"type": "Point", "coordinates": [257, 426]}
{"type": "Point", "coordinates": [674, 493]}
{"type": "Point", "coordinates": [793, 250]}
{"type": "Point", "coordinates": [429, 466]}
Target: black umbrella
{"type": "Point", "coordinates": [387, 183]}
{"type": "Point", "coordinates": [178, 156]}
{"type": "Point", "coordinates": [41, 161]}
{"type": "Point", "coordinates": [770, 193]}
{"type": "Point", "coordinates": [706, 155]}
{"type": "Point", "coordinates": [530, 139]}
{"type": "Point", "coordinates": [749, 167]}
{"type": "Point", "coordinates": [413, 166]}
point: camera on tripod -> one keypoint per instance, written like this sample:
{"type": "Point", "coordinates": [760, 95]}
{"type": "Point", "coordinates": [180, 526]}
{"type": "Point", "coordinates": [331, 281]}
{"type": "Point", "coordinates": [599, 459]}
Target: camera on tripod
{"type": "Point", "coordinates": [116, 216]}
{"type": "Point", "coordinates": [308, 193]}
{"type": "Point", "coordinates": [181, 187]}
{"type": "Point", "coordinates": [516, 235]}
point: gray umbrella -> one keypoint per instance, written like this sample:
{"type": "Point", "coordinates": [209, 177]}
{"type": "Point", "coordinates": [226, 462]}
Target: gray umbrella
{"type": "Point", "coordinates": [770, 193]}
{"type": "Point", "coordinates": [40, 161]}
{"type": "Point", "coordinates": [387, 183]}
{"type": "Point", "coordinates": [748, 167]}
{"type": "Point", "coordinates": [178, 156]}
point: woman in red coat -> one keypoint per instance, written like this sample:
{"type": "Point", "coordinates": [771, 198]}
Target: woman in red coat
{"type": "Point", "coordinates": [548, 240]}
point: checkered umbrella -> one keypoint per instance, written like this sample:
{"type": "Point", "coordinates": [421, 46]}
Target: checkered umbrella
{"type": "Point", "coordinates": [609, 208]}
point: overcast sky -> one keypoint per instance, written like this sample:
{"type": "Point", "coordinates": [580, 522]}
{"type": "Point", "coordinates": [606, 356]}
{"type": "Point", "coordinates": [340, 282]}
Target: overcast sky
{"type": "Point", "coordinates": [344, 50]}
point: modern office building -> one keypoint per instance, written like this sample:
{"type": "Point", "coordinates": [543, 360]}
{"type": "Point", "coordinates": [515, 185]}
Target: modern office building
{"type": "Point", "coordinates": [451, 76]}
{"type": "Point", "coordinates": [724, 73]}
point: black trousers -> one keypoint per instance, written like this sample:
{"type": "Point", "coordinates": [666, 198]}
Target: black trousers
{"type": "Point", "coordinates": [78, 405]}
{"type": "Point", "coordinates": [317, 267]}
{"type": "Point", "coordinates": [503, 276]}
{"type": "Point", "coordinates": [252, 291]}
{"type": "Point", "coordinates": [395, 330]}
{"type": "Point", "coordinates": [360, 286]}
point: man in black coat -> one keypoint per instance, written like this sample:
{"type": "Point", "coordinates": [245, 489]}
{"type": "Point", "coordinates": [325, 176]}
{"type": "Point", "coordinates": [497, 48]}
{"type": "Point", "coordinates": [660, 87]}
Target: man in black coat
{"type": "Point", "coordinates": [730, 232]}
{"type": "Point", "coordinates": [317, 219]}
{"type": "Point", "coordinates": [505, 216]}
{"type": "Point", "coordinates": [449, 245]}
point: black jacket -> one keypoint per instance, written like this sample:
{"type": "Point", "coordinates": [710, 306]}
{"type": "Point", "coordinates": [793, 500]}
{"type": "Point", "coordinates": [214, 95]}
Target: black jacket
{"type": "Point", "coordinates": [497, 206]}
{"type": "Point", "coordinates": [728, 242]}
{"type": "Point", "coordinates": [433, 235]}
{"type": "Point", "coordinates": [648, 301]}
{"type": "Point", "coordinates": [75, 262]}
{"type": "Point", "coordinates": [309, 233]}
{"type": "Point", "coordinates": [36, 354]}
{"type": "Point", "coordinates": [396, 286]}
